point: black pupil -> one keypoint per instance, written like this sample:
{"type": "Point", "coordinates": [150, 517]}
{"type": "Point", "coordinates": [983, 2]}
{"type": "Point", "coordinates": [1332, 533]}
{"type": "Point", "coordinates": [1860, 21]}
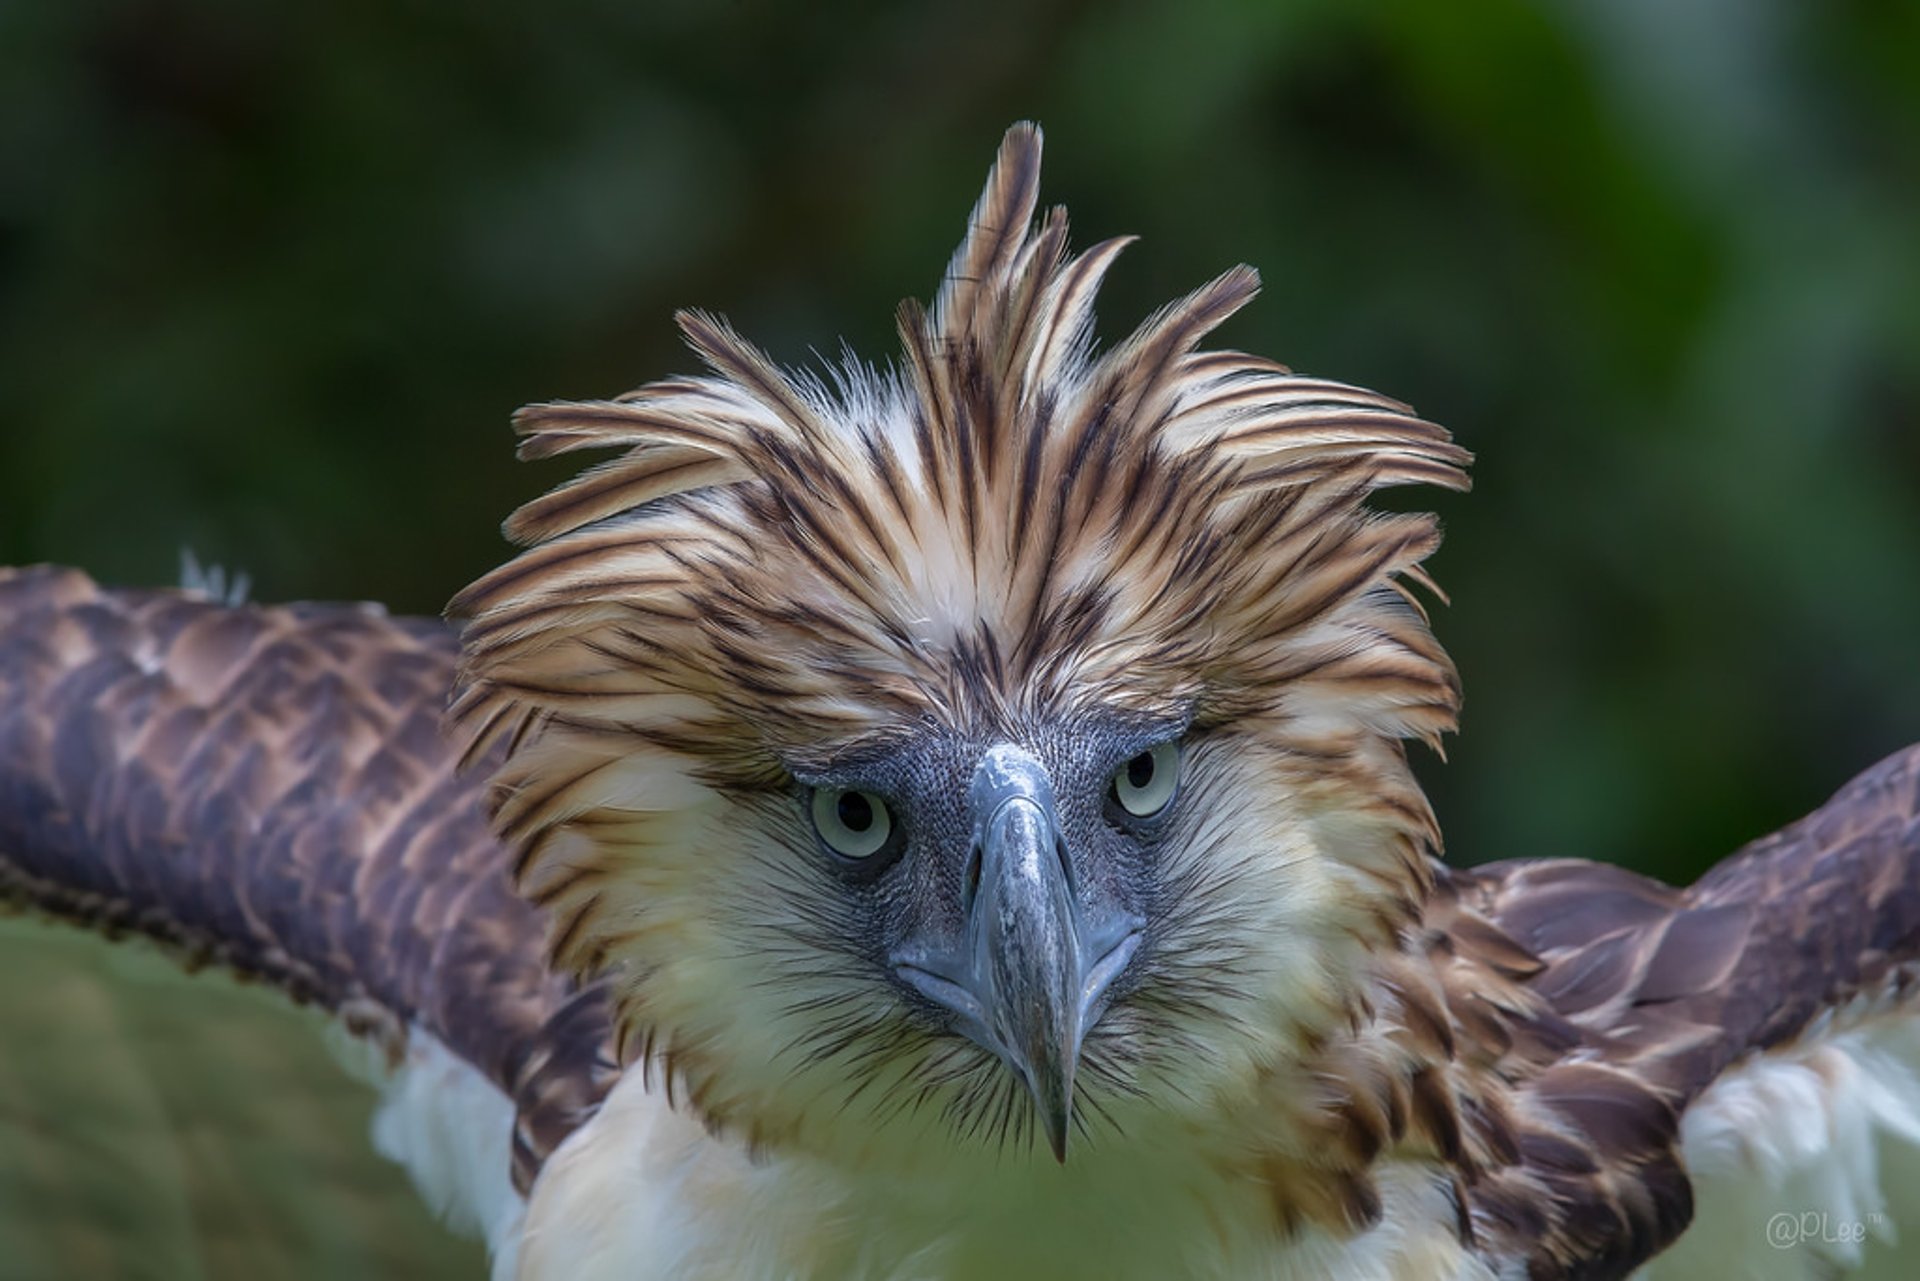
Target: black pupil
{"type": "Point", "coordinates": [1140, 770]}
{"type": "Point", "coordinates": [856, 811]}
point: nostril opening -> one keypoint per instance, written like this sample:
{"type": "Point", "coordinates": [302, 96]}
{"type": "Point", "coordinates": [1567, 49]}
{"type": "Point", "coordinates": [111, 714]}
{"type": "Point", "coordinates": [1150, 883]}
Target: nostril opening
{"type": "Point", "coordinates": [970, 887]}
{"type": "Point", "coordinates": [1066, 862]}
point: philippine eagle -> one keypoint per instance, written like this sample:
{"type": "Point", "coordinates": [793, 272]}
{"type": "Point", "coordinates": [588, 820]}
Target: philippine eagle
{"type": "Point", "coordinates": [953, 821]}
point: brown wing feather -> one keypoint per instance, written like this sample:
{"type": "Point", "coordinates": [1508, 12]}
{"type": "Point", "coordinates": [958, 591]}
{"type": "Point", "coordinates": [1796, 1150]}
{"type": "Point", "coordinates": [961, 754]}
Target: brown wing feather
{"type": "Point", "coordinates": [267, 789]}
{"type": "Point", "coordinates": [1643, 994]}
{"type": "Point", "coordinates": [1681, 983]}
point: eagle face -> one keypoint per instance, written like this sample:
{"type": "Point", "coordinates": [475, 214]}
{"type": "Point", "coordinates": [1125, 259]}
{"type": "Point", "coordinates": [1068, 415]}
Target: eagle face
{"type": "Point", "coordinates": [996, 753]}
{"type": "Point", "coordinates": [1006, 907]}
{"type": "Point", "coordinates": [1087, 910]}
{"type": "Point", "coordinates": [1072, 934]}
{"type": "Point", "coordinates": [1052, 891]}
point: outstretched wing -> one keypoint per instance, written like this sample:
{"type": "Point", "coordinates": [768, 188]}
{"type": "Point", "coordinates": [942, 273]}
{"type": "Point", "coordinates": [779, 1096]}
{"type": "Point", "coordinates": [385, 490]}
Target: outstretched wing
{"type": "Point", "coordinates": [1769, 1012]}
{"type": "Point", "coordinates": [268, 790]}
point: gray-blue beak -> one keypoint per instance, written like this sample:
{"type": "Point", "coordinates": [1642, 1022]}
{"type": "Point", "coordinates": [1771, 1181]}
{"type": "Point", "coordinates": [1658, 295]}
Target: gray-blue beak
{"type": "Point", "coordinates": [1031, 974]}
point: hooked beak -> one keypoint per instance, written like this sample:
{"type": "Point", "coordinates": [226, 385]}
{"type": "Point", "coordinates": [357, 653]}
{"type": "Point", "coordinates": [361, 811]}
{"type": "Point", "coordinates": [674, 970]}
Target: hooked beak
{"type": "Point", "coordinates": [1031, 972]}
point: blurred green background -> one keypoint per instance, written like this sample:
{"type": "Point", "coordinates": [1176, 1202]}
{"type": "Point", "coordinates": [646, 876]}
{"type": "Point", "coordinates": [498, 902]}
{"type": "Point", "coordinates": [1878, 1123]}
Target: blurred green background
{"type": "Point", "coordinates": [273, 276]}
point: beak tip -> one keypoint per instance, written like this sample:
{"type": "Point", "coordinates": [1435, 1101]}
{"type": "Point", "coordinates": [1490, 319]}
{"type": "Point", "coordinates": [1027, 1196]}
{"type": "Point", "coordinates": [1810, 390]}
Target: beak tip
{"type": "Point", "coordinates": [1056, 1118]}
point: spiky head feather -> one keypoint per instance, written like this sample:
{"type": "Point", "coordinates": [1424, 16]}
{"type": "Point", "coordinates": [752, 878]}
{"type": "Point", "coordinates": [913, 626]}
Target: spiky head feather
{"type": "Point", "coordinates": [1009, 526]}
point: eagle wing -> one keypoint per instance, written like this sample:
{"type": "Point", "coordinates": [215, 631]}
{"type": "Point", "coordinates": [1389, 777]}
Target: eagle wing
{"type": "Point", "coordinates": [1696, 1026]}
{"type": "Point", "coordinates": [268, 790]}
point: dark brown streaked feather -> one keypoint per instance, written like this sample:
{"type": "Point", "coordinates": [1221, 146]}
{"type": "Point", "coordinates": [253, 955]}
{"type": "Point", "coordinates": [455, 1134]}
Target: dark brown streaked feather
{"type": "Point", "coordinates": [268, 790]}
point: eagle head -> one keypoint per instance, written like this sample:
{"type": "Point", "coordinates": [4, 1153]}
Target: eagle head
{"type": "Point", "coordinates": [999, 749]}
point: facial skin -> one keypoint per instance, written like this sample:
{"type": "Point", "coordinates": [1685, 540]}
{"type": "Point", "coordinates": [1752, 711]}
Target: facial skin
{"type": "Point", "coordinates": [1005, 890]}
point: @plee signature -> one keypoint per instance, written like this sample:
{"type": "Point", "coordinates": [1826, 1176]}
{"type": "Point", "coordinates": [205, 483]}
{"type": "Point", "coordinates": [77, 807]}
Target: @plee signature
{"type": "Point", "coordinates": [1816, 1227]}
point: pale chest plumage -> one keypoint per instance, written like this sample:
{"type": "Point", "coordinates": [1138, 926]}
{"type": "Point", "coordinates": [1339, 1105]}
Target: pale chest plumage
{"type": "Point", "coordinates": [643, 1192]}
{"type": "Point", "coordinates": [1805, 1163]}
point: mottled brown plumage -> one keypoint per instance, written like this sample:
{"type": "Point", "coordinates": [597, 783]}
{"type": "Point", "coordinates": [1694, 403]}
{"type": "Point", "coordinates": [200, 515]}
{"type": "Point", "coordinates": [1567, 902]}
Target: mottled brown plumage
{"type": "Point", "coordinates": [776, 576]}
{"type": "Point", "coordinates": [269, 790]}
{"type": "Point", "coordinates": [1653, 992]}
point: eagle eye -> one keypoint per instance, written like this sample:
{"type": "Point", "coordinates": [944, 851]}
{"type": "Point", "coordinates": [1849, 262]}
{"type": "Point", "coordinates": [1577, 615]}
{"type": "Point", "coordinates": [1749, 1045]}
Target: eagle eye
{"type": "Point", "coordinates": [1145, 784]}
{"type": "Point", "coordinates": [854, 824]}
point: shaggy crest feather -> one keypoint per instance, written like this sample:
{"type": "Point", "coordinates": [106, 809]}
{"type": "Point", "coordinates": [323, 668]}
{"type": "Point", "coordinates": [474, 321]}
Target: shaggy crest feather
{"type": "Point", "coordinates": [774, 573]}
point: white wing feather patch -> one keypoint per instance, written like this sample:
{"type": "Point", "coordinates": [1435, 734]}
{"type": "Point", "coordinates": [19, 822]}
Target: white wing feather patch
{"type": "Point", "coordinates": [1806, 1160]}
{"type": "Point", "coordinates": [452, 1130]}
